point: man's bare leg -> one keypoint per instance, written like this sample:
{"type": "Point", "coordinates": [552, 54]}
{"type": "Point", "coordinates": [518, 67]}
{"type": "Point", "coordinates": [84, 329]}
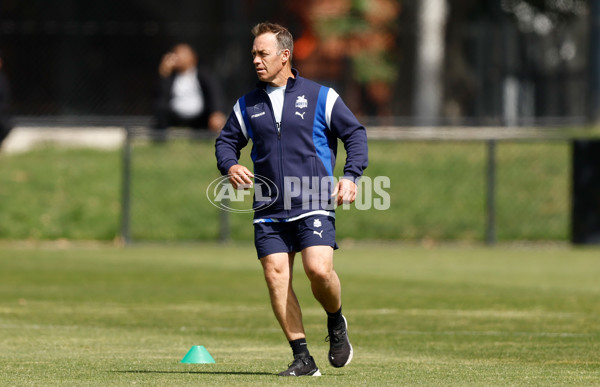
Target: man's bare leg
{"type": "Point", "coordinates": [324, 281]}
{"type": "Point", "coordinates": [278, 271]}
{"type": "Point", "coordinates": [325, 284]}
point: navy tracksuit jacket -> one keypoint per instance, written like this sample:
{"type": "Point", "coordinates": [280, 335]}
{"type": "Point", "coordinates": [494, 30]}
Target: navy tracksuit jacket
{"type": "Point", "coordinates": [304, 145]}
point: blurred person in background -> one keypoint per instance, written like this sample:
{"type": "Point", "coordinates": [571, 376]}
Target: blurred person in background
{"type": "Point", "coordinates": [188, 95]}
{"type": "Point", "coordinates": [5, 125]}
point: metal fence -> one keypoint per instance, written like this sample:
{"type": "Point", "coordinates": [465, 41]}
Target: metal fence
{"type": "Point", "coordinates": [464, 184]}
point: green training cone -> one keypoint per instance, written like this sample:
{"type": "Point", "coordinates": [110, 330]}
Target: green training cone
{"type": "Point", "coordinates": [198, 355]}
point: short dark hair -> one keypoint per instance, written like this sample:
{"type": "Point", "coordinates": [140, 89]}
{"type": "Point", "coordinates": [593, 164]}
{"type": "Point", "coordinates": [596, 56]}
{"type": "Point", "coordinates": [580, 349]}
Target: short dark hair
{"type": "Point", "coordinates": [285, 41]}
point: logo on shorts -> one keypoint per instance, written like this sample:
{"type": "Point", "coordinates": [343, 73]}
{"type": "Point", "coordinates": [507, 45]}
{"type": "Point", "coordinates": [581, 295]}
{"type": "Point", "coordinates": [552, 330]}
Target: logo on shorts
{"type": "Point", "coordinates": [317, 223]}
{"type": "Point", "coordinates": [222, 195]}
{"type": "Point", "coordinates": [320, 234]}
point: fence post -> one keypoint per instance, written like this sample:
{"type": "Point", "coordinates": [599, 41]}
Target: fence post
{"type": "Point", "coordinates": [490, 227]}
{"type": "Point", "coordinates": [126, 188]}
{"type": "Point", "coordinates": [224, 227]}
{"type": "Point", "coordinates": [585, 190]}
{"type": "Point", "coordinates": [594, 64]}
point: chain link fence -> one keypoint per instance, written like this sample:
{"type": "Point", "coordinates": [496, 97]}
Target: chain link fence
{"type": "Point", "coordinates": [460, 189]}
{"type": "Point", "coordinates": [464, 184]}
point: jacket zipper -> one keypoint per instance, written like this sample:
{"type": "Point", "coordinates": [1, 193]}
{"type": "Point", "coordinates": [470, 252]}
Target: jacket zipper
{"type": "Point", "coordinates": [280, 154]}
{"type": "Point", "coordinates": [279, 150]}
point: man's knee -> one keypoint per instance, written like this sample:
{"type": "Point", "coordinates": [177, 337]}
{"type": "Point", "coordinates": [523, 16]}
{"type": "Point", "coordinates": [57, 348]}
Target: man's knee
{"type": "Point", "coordinates": [319, 267]}
{"type": "Point", "coordinates": [273, 274]}
{"type": "Point", "coordinates": [319, 274]}
{"type": "Point", "coordinates": [275, 269]}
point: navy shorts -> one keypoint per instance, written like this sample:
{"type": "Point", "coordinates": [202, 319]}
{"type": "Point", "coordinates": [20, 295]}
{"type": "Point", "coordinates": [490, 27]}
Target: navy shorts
{"type": "Point", "coordinates": [287, 237]}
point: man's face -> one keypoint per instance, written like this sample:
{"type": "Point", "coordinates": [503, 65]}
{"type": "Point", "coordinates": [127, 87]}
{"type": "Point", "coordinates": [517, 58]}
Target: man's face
{"type": "Point", "coordinates": [185, 57]}
{"type": "Point", "coordinates": [267, 62]}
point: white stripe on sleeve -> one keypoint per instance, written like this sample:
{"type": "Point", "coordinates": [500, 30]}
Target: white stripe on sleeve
{"type": "Point", "coordinates": [238, 115]}
{"type": "Point", "coordinates": [332, 96]}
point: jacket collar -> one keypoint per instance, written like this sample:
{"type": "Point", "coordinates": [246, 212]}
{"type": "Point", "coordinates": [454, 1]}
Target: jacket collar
{"type": "Point", "coordinates": [291, 82]}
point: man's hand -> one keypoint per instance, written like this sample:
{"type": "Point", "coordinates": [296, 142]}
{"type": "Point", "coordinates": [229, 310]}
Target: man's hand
{"type": "Point", "coordinates": [345, 190]}
{"type": "Point", "coordinates": [167, 65]}
{"type": "Point", "coordinates": [240, 176]}
{"type": "Point", "coordinates": [216, 121]}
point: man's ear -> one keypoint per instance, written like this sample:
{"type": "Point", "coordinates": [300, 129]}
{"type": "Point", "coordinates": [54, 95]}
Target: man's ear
{"type": "Point", "coordinates": [285, 55]}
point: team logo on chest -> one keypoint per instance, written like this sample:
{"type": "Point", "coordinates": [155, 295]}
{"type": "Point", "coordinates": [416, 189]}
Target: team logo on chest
{"type": "Point", "coordinates": [301, 102]}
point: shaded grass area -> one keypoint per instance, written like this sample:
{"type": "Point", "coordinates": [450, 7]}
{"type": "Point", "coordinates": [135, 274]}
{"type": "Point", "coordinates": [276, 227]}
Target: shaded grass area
{"type": "Point", "coordinates": [446, 316]}
{"type": "Point", "coordinates": [54, 193]}
{"type": "Point", "coordinates": [437, 192]}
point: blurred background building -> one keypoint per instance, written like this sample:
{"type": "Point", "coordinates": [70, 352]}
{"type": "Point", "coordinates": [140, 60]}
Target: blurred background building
{"type": "Point", "coordinates": [474, 62]}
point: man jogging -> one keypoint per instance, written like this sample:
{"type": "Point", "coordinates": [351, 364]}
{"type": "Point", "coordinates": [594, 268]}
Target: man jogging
{"type": "Point", "coordinates": [294, 125]}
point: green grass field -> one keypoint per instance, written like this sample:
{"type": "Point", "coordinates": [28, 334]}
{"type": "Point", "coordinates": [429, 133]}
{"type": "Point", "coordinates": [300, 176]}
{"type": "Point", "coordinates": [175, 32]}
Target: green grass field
{"type": "Point", "coordinates": [99, 315]}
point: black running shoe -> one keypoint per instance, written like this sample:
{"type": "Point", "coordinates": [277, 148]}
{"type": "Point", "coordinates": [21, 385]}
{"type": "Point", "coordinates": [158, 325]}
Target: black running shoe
{"type": "Point", "coordinates": [302, 366]}
{"type": "Point", "coordinates": [340, 349]}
